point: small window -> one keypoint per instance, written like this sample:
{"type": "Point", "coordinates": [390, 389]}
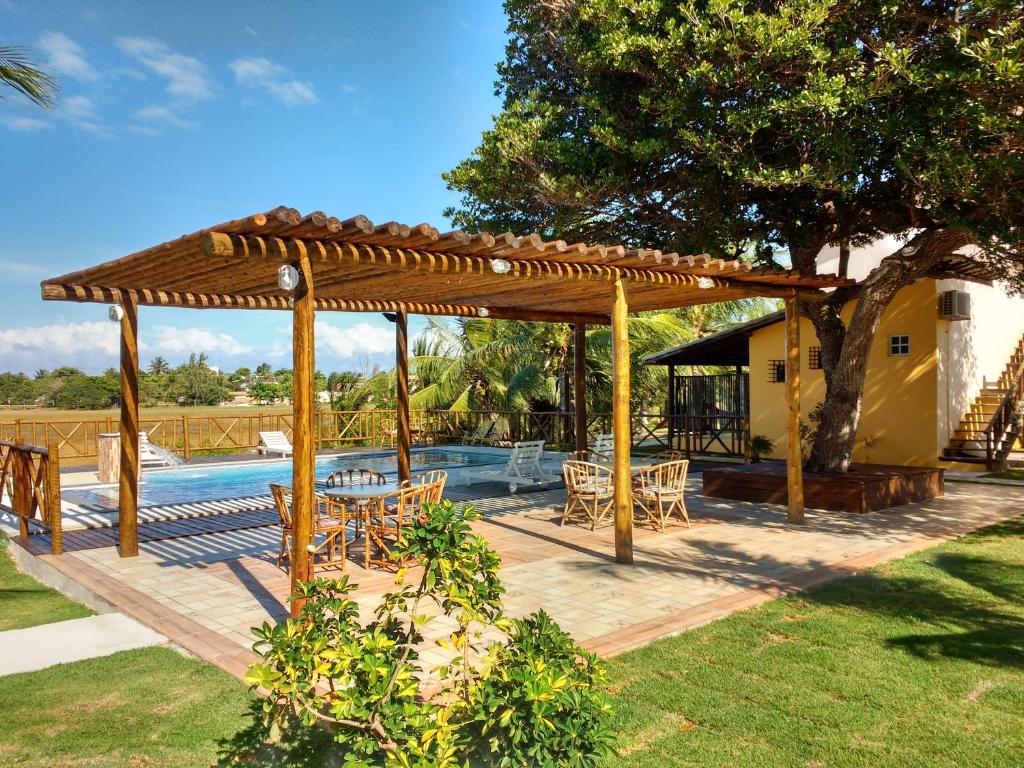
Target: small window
{"type": "Point", "coordinates": [776, 371]}
{"type": "Point", "coordinates": [899, 345]}
{"type": "Point", "coordinates": [814, 358]}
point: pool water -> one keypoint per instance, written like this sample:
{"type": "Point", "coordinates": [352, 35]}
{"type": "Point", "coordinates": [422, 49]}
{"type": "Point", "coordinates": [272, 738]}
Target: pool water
{"type": "Point", "coordinates": [232, 481]}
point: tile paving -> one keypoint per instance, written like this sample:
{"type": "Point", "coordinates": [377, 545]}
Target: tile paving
{"type": "Point", "coordinates": [205, 592]}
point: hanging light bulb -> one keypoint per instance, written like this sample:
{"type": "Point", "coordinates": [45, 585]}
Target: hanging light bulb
{"type": "Point", "coordinates": [287, 277]}
{"type": "Point", "coordinates": [705, 283]}
{"type": "Point", "coordinates": [483, 312]}
{"type": "Point", "coordinates": [500, 266]}
{"type": "Point", "coordinates": [115, 313]}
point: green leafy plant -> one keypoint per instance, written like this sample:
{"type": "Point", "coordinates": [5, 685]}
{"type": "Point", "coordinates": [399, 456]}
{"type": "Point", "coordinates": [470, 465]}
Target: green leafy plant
{"type": "Point", "coordinates": [529, 698]}
{"type": "Point", "coordinates": [809, 429]}
{"type": "Point", "coordinates": [760, 446]}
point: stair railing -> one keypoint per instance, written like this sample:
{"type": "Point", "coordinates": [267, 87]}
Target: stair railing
{"type": "Point", "coordinates": [997, 444]}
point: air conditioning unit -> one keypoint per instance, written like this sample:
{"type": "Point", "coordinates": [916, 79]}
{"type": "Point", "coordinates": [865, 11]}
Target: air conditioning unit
{"type": "Point", "coordinates": [955, 305]}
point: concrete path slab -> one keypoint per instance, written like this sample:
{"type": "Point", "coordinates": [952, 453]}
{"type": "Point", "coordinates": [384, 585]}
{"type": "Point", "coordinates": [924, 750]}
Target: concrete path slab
{"type": "Point", "coordinates": [26, 650]}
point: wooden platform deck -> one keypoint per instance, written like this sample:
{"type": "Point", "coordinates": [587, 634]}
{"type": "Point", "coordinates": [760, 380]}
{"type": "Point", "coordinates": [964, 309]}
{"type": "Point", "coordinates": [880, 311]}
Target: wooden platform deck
{"type": "Point", "coordinates": [865, 488]}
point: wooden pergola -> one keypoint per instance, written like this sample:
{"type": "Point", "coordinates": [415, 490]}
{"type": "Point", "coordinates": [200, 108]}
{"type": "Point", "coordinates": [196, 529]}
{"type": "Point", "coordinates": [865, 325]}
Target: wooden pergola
{"type": "Point", "coordinates": [351, 265]}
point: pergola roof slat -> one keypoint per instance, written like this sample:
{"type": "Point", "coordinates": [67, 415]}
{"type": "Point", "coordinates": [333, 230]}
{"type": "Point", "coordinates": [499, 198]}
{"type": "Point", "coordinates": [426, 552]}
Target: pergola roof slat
{"type": "Point", "coordinates": [358, 264]}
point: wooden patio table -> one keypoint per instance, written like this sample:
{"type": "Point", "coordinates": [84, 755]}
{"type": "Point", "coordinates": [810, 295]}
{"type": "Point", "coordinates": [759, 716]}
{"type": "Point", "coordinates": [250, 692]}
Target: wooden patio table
{"type": "Point", "coordinates": [366, 497]}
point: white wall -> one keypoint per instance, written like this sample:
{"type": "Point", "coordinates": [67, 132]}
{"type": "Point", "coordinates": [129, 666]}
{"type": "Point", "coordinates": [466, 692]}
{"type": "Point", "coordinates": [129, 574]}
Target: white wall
{"type": "Point", "coordinates": [973, 351]}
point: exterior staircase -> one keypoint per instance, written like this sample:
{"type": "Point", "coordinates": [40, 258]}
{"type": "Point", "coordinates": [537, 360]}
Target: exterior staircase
{"type": "Point", "coordinates": [990, 432]}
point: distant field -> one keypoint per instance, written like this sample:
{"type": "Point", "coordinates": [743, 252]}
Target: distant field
{"type": "Point", "coordinates": [163, 411]}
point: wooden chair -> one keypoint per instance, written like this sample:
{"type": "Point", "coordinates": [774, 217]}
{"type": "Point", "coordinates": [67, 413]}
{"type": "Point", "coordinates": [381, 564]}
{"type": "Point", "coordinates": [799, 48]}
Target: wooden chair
{"type": "Point", "coordinates": [660, 490]}
{"type": "Point", "coordinates": [385, 524]}
{"type": "Point", "coordinates": [602, 448]}
{"type": "Point", "coordinates": [356, 476]}
{"type": "Point", "coordinates": [589, 491]}
{"type": "Point", "coordinates": [330, 523]}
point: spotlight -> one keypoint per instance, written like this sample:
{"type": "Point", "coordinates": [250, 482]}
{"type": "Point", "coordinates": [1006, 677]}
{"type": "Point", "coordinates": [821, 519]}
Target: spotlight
{"type": "Point", "coordinates": [287, 277]}
{"type": "Point", "coordinates": [705, 283]}
{"type": "Point", "coordinates": [115, 313]}
{"type": "Point", "coordinates": [500, 266]}
{"type": "Point", "coordinates": [483, 312]}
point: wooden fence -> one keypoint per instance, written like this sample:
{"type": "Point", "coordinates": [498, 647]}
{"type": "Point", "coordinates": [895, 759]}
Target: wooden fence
{"type": "Point", "coordinates": [30, 488]}
{"type": "Point", "coordinates": [189, 436]}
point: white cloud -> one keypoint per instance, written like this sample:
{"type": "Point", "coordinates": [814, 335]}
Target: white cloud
{"type": "Point", "coordinates": [354, 340]}
{"type": "Point", "coordinates": [185, 75]}
{"type": "Point", "coordinates": [158, 113]}
{"type": "Point", "coordinates": [65, 57]}
{"type": "Point", "coordinates": [273, 78]}
{"type": "Point", "coordinates": [349, 88]}
{"type": "Point", "coordinates": [81, 112]}
{"type": "Point", "coordinates": [25, 123]}
{"type": "Point", "coordinates": [59, 341]}
{"type": "Point", "coordinates": [167, 338]}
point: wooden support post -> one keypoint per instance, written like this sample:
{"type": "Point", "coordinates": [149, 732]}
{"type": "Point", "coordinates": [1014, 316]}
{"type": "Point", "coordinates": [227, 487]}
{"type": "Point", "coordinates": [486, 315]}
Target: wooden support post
{"type": "Point", "coordinates": [186, 447]}
{"type": "Point", "coordinates": [403, 430]}
{"type": "Point", "coordinates": [579, 385]}
{"type": "Point", "coordinates": [128, 478]}
{"type": "Point", "coordinates": [621, 424]}
{"type": "Point", "coordinates": [53, 499]}
{"type": "Point", "coordinates": [670, 407]}
{"type": "Point", "coordinates": [794, 457]}
{"type": "Point", "coordinates": [303, 455]}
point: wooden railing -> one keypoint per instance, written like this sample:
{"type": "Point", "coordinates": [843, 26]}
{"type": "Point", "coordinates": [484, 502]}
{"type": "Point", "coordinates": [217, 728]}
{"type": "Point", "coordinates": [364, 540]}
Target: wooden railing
{"type": "Point", "coordinates": [192, 435]}
{"type": "Point", "coordinates": [1004, 428]}
{"type": "Point", "coordinates": [30, 488]}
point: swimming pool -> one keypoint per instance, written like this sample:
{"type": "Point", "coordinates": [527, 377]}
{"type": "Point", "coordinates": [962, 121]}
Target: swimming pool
{"type": "Point", "coordinates": [232, 481]}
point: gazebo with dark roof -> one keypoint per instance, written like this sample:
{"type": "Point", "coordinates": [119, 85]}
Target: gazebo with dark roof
{"type": "Point", "coordinates": [351, 265]}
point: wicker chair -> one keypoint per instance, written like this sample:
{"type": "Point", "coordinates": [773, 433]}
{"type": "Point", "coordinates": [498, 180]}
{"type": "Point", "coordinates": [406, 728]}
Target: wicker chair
{"type": "Point", "coordinates": [358, 476]}
{"type": "Point", "coordinates": [660, 490]}
{"type": "Point", "coordinates": [385, 523]}
{"type": "Point", "coordinates": [330, 525]}
{"type": "Point", "coordinates": [589, 491]}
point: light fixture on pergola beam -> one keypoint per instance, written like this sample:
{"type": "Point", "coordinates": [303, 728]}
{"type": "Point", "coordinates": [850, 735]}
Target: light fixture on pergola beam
{"type": "Point", "coordinates": [280, 260]}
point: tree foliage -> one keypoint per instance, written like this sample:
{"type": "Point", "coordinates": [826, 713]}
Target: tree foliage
{"type": "Point", "coordinates": [18, 70]}
{"type": "Point", "coordinates": [530, 698]}
{"type": "Point", "coordinates": [767, 130]}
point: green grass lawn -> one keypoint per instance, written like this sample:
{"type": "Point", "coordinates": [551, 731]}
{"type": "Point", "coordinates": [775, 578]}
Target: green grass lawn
{"type": "Point", "coordinates": [149, 708]}
{"type": "Point", "coordinates": [24, 602]}
{"type": "Point", "coordinates": [916, 663]}
{"type": "Point", "coordinates": [919, 662]}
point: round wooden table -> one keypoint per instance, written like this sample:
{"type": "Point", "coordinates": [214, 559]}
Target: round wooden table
{"type": "Point", "coordinates": [365, 496]}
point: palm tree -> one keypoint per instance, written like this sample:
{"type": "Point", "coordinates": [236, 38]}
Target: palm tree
{"type": "Point", "coordinates": [479, 364]}
{"type": "Point", "coordinates": [159, 366]}
{"type": "Point", "coordinates": [18, 71]}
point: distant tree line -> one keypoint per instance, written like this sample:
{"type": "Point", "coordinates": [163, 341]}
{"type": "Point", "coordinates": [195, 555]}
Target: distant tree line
{"type": "Point", "coordinates": [192, 383]}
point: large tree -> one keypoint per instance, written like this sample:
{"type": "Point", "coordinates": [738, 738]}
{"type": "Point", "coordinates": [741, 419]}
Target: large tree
{"type": "Point", "coordinates": [767, 130]}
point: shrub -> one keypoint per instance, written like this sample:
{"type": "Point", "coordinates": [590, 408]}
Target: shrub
{"type": "Point", "coordinates": [530, 698]}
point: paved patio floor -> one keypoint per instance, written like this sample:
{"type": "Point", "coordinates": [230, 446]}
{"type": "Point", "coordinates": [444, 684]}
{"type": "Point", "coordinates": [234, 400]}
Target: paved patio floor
{"type": "Point", "coordinates": [205, 592]}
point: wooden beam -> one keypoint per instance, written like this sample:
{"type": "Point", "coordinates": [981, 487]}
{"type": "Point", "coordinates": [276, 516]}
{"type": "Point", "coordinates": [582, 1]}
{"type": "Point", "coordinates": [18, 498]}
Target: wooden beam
{"type": "Point", "coordinates": [404, 434]}
{"type": "Point", "coordinates": [304, 450]}
{"type": "Point", "coordinates": [621, 424]}
{"type": "Point", "coordinates": [579, 384]}
{"type": "Point", "coordinates": [794, 457]}
{"type": "Point", "coordinates": [192, 300]}
{"type": "Point", "coordinates": [128, 473]}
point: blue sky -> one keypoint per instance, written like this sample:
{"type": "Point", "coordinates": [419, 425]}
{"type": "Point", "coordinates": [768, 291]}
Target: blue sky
{"type": "Point", "coordinates": [175, 116]}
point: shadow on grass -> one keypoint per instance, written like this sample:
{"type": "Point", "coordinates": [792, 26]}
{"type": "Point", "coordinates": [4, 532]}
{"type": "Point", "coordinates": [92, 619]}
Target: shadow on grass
{"type": "Point", "coordinates": [300, 747]}
{"type": "Point", "coordinates": [965, 606]}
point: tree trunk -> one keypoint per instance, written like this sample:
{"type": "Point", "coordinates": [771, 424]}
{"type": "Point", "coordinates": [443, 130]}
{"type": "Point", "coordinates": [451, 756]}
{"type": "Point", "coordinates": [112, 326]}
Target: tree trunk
{"type": "Point", "coordinates": [845, 348]}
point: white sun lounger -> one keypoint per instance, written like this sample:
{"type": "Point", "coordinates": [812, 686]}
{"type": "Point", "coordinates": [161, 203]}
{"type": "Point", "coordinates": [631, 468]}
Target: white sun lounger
{"type": "Point", "coordinates": [274, 442]}
{"type": "Point", "coordinates": [523, 468]}
{"type": "Point", "coordinates": [147, 456]}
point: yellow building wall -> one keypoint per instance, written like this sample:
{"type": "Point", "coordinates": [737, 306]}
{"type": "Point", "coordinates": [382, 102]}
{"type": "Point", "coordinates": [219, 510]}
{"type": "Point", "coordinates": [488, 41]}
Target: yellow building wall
{"type": "Point", "coordinates": [900, 393]}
